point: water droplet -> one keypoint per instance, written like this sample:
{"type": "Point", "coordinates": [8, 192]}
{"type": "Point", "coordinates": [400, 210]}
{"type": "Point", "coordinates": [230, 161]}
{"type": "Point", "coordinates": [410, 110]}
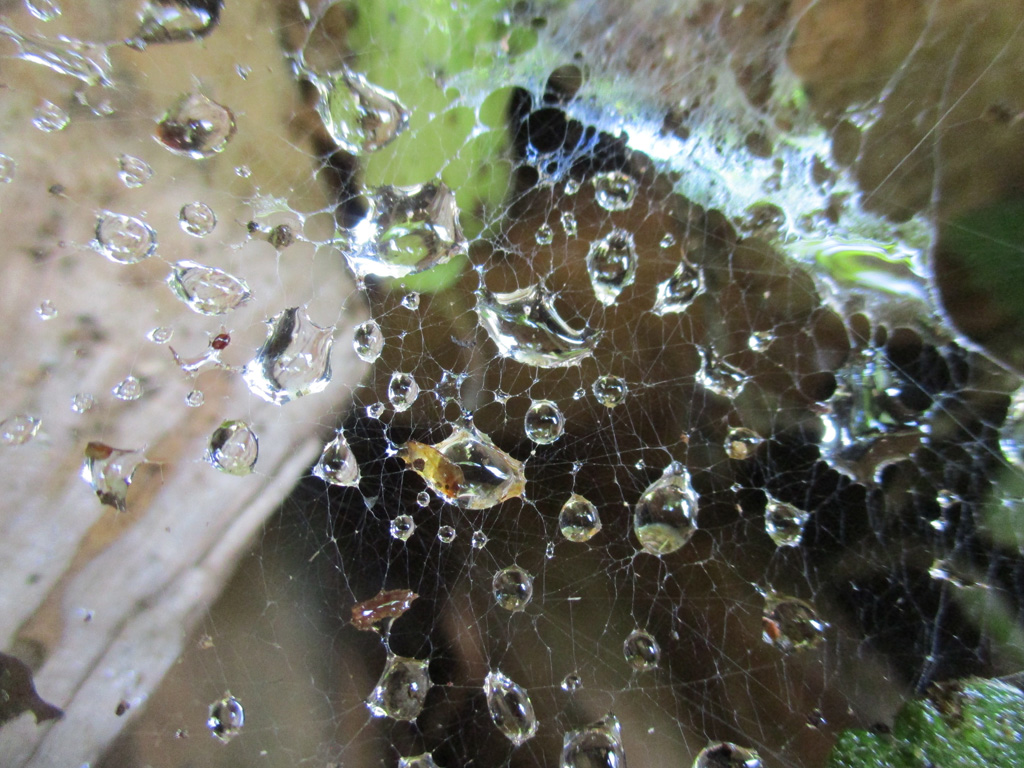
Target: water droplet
{"type": "Point", "coordinates": [337, 464]}
{"type": "Point", "coordinates": [233, 448]}
{"type": "Point", "coordinates": [368, 341]}
{"type": "Point", "coordinates": [544, 234]}
{"type": "Point", "coordinates": [375, 410]}
{"type": "Point", "coordinates": [411, 301]}
{"type": "Point", "coordinates": [83, 402]}
{"type": "Point", "coordinates": [572, 682]}
{"type": "Point", "coordinates": [478, 540]}
{"type": "Point", "coordinates": [759, 341]}
{"type": "Point", "coordinates": [295, 359]}
{"type": "Point", "coordinates": [402, 527]}
{"type": "Point", "coordinates": [664, 517]}
{"type": "Point", "coordinates": [544, 422]}
{"type": "Point", "coordinates": [571, 187]}
{"type": "Point", "coordinates": [123, 239]}
{"type": "Point", "coordinates": [407, 230]}
{"type": "Point", "coordinates": [160, 335]}
{"type": "Point", "coordinates": [569, 224]}
{"type": "Point", "coordinates": [549, 550]}
{"type": "Point", "coordinates": [719, 376]}
{"type": "Point", "coordinates": [196, 127]}
{"type": "Point", "coordinates": [641, 650]}
{"type": "Point", "coordinates": [110, 471]}
{"type": "Point", "coordinates": [791, 624]}
{"type": "Point", "coordinates": [422, 499]}
{"type": "Point", "coordinates": [226, 718]}
{"type": "Point", "coordinates": [197, 219]}
{"type": "Point", "coordinates": [614, 191]}
{"type": "Point", "coordinates": [18, 430]}
{"type": "Point", "coordinates": [724, 754]}
{"type": "Point", "coordinates": [741, 443]}
{"type": "Point", "coordinates": [169, 21]}
{"type": "Point", "coordinates": [128, 389]}
{"type": "Point", "coordinates": [784, 522]}
{"type": "Point", "coordinates": [195, 398]}
{"type": "Point", "coordinates": [579, 394]}
{"type": "Point", "coordinates": [526, 327]}
{"type": "Point", "coordinates": [7, 166]}
{"type": "Point", "coordinates": [513, 588]}
{"type": "Point", "coordinates": [578, 519]}
{"type": "Point", "coordinates": [611, 263]}
{"type": "Point", "coordinates": [610, 391]}
{"type": "Point", "coordinates": [360, 116]}
{"type": "Point", "coordinates": [89, 62]}
{"type": "Point", "coordinates": [50, 118]}
{"type": "Point", "coordinates": [207, 290]}
{"type": "Point", "coordinates": [44, 10]}
{"type": "Point", "coordinates": [678, 292]}
{"type": "Point", "coordinates": [466, 469]}
{"type": "Point", "coordinates": [510, 708]}
{"type": "Point", "coordinates": [667, 241]}
{"type": "Point", "coordinates": [133, 171]}
{"type": "Point", "coordinates": [598, 745]}
{"type": "Point", "coordinates": [446, 534]}
{"type": "Point", "coordinates": [46, 310]}
{"type": "Point", "coordinates": [402, 391]}
{"type": "Point", "coordinates": [401, 690]}
{"type": "Point", "coordinates": [426, 760]}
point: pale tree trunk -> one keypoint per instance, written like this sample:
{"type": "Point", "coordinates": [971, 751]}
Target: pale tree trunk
{"type": "Point", "coordinates": [95, 603]}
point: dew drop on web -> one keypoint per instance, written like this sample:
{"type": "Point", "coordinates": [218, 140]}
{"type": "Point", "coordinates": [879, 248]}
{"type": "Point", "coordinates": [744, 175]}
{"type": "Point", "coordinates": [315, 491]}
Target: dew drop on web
{"type": "Point", "coordinates": [569, 224]}
{"type": "Point", "coordinates": [571, 683]}
{"type": "Point", "coordinates": [160, 334]}
{"type": "Point", "coordinates": [610, 391]}
{"type": "Point", "coordinates": [422, 499]}
{"type": "Point", "coordinates": [47, 310]}
{"type": "Point", "coordinates": [171, 21]}
{"type": "Point", "coordinates": [544, 422]}
{"type": "Point", "coordinates": [612, 264]}
{"type": "Point", "coordinates": [784, 522]}
{"type": "Point", "coordinates": [123, 239]}
{"type": "Point", "coordinates": [19, 429]}
{"type": "Point", "coordinates": [128, 389]}
{"type": "Point", "coordinates": [446, 534]}
{"type": "Point", "coordinates": [197, 219]}
{"type": "Point", "coordinates": [544, 234]}
{"type": "Point", "coordinates": [510, 708]}
{"type": "Point", "coordinates": [194, 398]}
{"type": "Point", "coordinates": [49, 118]}
{"type": "Point", "coordinates": [337, 464]}
{"type": "Point", "coordinates": [664, 518]}
{"type": "Point", "coordinates": [109, 471]}
{"type": "Point", "coordinates": [133, 171]}
{"type": "Point", "coordinates": [411, 301]}
{"type": "Point", "coordinates": [597, 745]}
{"type": "Point", "coordinates": [741, 443]}
{"type": "Point", "coordinates": [233, 448]}
{"type": "Point", "coordinates": [578, 520]}
{"type": "Point", "coordinates": [614, 191]}
{"type": "Point", "coordinates": [368, 341]}
{"type": "Point", "coordinates": [641, 650]}
{"type": "Point", "coordinates": [207, 290]}
{"type": "Point", "coordinates": [82, 402]}
{"type": "Point", "coordinates": [401, 689]}
{"type": "Point", "coordinates": [512, 588]}
{"type": "Point", "coordinates": [791, 624]}
{"type": "Point", "coordinates": [226, 718]}
{"type": "Point", "coordinates": [724, 754]}
{"type": "Point", "coordinates": [478, 540]}
{"type": "Point", "coordinates": [402, 527]}
{"type": "Point", "coordinates": [294, 361]}
{"type": "Point", "coordinates": [677, 293]}
{"type": "Point", "coordinates": [426, 760]}
{"type": "Point", "coordinates": [361, 117]}
{"type": "Point", "coordinates": [196, 126]}
{"type": "Point", "coordinates": [403, 391]}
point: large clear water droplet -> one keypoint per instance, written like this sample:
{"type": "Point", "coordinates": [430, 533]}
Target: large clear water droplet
{"type": "Point", "coordinates": [724, 754]}
{"type": "Point", "coordinates": [544, 422]}
{"type": "Point", "coordinates": [578, 519]}
{"type": "Point", "coordinates": [513, 588]}
{"type": "Point", "coordinates": [598, 745]}
{"type": "Point", "coordinates": [610, 391]}
{"type": "Point", "coordinates": [110, 471]}
{"type": "Point", "coordinates": [641, 650]}
{"type": "Point", "coordinates": [665, 516]}
{"type": "Point", "coordinates": [571, 683]}
{"type": "Point", "coordinates": [368, 341]}
{"type": "Point", "coordinates": [196, 127]}
{"type": "Point", "coordinates": [741, 443]}
{"type": "Point", "coordinates": [207, 290]}
{"type": "Point", "coordinates": [407, 230]}
{"type": "Point", "coordinates": [83, 402]}
{"type": "Point", "coordinates": [401, 690]}
{"type": "Point", "coordinates": [526, 327]}
{"type": "Point", "coordinates": [337, 464]}
{"type": "Point", "coordinates": [544, 234]}
{"type": "Point", "coordinates": [510, 708]}
{"type": "Point", "coordinates": [233, 448]}
{"type": "Point", "coordinates": [611, 263]}
{"type": "Point", "coordinates": [784, 522]}
{"type": "Point", "coordinates": [133, 172]}
{"type": "Point", "coordinates": [169, 21]}
{"type": "Point", "coordinates": [123, 239]}
{"type": "Point", "coordinates": [128, 389]}
{"type": "Point", "coordinates": [49, 118]}
{"type": "Point", "coordinates": [226, 718]}
{"type": "Point", "coordinates": [720, 377]}
{"type": "Point", "coordinates": [403, 527]}
{"type": "Point", "coordinates": [197, 219]}
{"type": "Point", "coordinates": [360, 116]}
{"type": "Point", "coordinates": [678, 292]}
{"type": "Point", "coordinates": [614, 191]}
{"type": "Point", "coordinates": [295, 359]}
{"type": "Point", "coordinates": [791, 624]}
{"type": "Point", "coordinates": [466, 469]}
{"type": "Point", "coordinates": [446, 534]}
{"type": "Point", "coordinates": [403, 391]}
{"type": "Point", "coordinates": [478, 540]}
{"type": "Point", "coordinates": [18, 430]}
{"type": "Point", "coordinates": [426, 760]}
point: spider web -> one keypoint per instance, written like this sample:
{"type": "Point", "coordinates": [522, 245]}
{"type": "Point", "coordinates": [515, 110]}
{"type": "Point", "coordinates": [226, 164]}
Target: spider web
{"type": "Point", "coordinates": [804, 365]}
